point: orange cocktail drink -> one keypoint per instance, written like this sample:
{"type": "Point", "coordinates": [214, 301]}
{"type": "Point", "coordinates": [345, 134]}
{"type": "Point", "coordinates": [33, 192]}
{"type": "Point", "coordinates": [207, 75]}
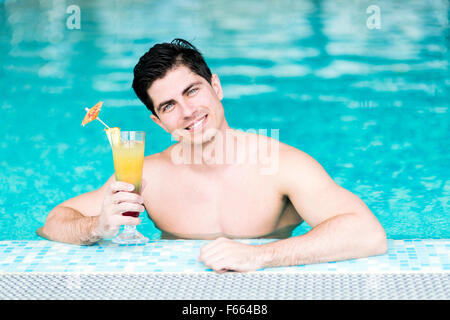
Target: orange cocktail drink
{"type": "Point", "coordinates": [128, 154]}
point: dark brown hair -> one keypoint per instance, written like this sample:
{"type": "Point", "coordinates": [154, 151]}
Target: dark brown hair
{"type": "Point", "coordinates": [162, 57]}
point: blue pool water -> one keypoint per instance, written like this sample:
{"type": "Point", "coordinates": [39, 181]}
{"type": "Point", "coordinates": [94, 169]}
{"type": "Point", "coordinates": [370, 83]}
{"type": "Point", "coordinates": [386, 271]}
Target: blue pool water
{"type": "Point", "coordinates": [371, 105]}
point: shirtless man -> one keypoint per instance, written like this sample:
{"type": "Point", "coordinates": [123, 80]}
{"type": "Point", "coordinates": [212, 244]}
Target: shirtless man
{"type": "Point", "coordinates": [221, 200]}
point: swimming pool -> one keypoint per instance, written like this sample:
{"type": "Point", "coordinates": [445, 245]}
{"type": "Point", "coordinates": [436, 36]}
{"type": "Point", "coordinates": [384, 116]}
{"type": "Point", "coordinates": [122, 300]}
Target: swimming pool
{"type": "Point", "coordinates": [371, 105]}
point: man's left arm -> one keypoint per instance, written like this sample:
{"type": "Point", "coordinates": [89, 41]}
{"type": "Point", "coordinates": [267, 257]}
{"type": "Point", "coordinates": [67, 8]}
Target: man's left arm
{"type": "Point", "coordinates": [343, 227]}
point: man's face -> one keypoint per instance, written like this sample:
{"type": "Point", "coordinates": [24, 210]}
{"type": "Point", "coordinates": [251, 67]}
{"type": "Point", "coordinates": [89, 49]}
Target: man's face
{"type": "Point", "coordinates": [187, 105]}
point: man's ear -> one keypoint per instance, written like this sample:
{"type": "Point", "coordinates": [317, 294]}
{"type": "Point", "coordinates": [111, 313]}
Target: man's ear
{"type": "Point", "coordinates": [158, 121]}
{"type": "Point", "coordinates": [215, 83]}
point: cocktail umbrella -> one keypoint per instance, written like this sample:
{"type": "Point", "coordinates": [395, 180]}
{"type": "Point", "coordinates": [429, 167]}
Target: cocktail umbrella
{"type": "Point", "coordinates": [92, 114]}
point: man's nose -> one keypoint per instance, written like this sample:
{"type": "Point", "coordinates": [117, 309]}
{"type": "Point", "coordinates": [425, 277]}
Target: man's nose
{"type": "Point", "coordinates": [189, 109]}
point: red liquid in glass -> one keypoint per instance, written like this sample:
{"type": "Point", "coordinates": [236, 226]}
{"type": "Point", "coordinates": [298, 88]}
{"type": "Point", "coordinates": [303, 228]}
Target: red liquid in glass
{"type": "Point", "coordinates": [133, 214]}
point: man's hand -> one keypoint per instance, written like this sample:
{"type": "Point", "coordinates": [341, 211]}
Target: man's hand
{"type": "Point", "coordinates": [118, 199]}
{"type": "Point", "coordinates": [224, 255]}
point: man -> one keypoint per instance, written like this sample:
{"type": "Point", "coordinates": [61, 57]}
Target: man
{"type": "Point", "coordinates": [191, 192]}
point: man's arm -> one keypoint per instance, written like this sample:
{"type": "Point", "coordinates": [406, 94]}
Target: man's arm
{"type": "Point", "coordinates": [65, 224]}
{"type": "Point", "coordinates": [343, 227]}
{"type": "Point", "coordinates": [89, 217]}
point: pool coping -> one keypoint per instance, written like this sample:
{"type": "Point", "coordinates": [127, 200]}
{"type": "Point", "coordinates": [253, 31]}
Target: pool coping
{"type": "Point", "coordinates": [172, 256]}
{"type": "Point", "coordinates": [169, 270]}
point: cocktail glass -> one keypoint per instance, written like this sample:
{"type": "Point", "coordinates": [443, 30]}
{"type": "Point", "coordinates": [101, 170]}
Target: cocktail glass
{"type": "Point", "coordinates": [128, 154]}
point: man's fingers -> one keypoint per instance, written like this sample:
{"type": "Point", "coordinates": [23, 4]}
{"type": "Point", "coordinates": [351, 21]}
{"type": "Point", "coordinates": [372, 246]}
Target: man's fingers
{"type": "Point", "coordinates": [213, 243]}
{"type": "Point", "coordinates": [213, 247]}
{"type": "Point", "coordinates": [119, 197]}
{"type": "Point", "coordinates": [222, 270]}
{"type": "Point", "coordinates": [218, 265]}
{"type": "Point", "coordinates": [127, 206]}
{"type": "Point", "coordinates": [209, 253]}
{"type": "Point", "coordinates": [121, 186]}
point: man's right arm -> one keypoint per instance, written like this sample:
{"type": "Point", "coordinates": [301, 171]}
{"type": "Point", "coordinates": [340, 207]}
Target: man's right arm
{"type": "Point", "coordinates": [94, 215]}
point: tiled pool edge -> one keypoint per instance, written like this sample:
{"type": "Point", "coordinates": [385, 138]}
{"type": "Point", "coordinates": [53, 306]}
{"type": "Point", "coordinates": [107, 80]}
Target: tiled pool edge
{"type": "Point", "coordinates": [168, 269]}
{"type": "Point", "coordinates": [425, 255]}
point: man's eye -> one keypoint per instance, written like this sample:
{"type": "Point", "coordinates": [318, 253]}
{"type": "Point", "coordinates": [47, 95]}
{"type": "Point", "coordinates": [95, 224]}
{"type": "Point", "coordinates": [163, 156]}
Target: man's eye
{"type": "Point", "coordinates": [167, 107]}
{"type": "Point", "coordinates": [192, 91]}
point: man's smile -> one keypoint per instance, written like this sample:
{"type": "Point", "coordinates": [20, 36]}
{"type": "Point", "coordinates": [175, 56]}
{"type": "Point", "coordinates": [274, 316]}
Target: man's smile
{"type": "Point", "coordinates": [197, 124]}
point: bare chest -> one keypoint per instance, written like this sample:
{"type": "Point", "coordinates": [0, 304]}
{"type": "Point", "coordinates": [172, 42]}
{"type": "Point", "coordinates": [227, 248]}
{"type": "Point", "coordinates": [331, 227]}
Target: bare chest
{"type": "Point", "coordinates": [241, 203]}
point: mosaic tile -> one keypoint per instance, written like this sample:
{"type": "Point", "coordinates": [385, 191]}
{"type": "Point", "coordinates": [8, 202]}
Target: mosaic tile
{"type": "Point", "coordinates": [181, 256]}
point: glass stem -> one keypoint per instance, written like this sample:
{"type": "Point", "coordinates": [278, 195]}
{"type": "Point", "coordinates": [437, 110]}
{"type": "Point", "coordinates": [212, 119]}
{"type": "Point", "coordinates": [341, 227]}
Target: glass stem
{"type": "Point", "coordinates": [129, 229]}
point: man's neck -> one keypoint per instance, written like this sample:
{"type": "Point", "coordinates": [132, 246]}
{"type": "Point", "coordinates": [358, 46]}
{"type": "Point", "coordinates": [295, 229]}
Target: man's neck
{"type": "Point", "coordinates": [216, 154]}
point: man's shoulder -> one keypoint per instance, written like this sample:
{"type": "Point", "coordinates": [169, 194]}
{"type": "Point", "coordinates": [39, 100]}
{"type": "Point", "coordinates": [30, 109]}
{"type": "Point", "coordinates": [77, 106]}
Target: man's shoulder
{"type": "Point", "coordinates": [153, 158]}
{"type": "Point", "coordinates": [154, 163]}
{"type": "Point", "coordinates": [158, 160]}
{"type": "Point", "coordinates": [301, 171]}
{"type": "Point", "coordinates": [290, 153]}
{"type": "Point", "coordinates": [289, 156]}
{"type": "Point", "coordinates": [294, 159]}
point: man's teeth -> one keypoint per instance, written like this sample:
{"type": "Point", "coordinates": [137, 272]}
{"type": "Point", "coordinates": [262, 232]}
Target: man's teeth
{"type": "Point", "coordinates": [195, 125]}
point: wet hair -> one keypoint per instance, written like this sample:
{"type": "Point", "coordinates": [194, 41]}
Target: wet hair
{"type": "Point", "coordinates": [161, 58]}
